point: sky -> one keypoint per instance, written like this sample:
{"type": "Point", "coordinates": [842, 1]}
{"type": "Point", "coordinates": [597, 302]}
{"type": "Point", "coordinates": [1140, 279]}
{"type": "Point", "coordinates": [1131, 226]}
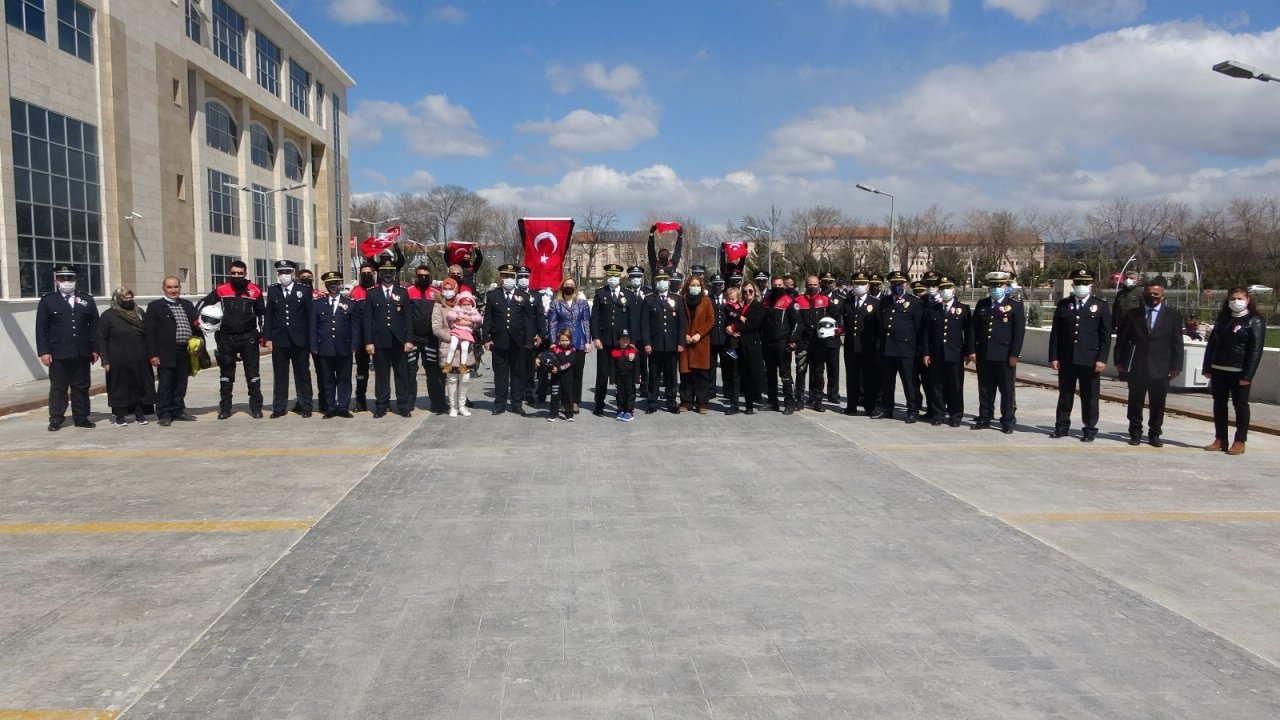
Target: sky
{"type": "Point", "coordinates": [715, 110]}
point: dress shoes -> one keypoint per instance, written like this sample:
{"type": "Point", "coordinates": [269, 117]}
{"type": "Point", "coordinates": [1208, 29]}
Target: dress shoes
{"type": "Point", "coordinates": [256, 414]}
{"type": "Point", "coordinates": [1007, 429]}
{"type": "Point", "coordinates": [850, 412]}
{"type": "Point", "coordinates": [305, 413]}
{"type": "Point", "coordinates": [184, 417]}
{"type": "Point", "coordinates": [85, 424]}
{"type": "Point", "coordinates": [344, 414]}
{"type": "Point", "coordinates": [499, 409]}
{"type": "Point", "coordinates": [1134, 440]}
{"type": "Point", "coordinates": [935, 422]}
{"type": "Point", "coordinates": [1059, 434]}
{"type": "Point", "coordinates": [1216, 446]}
{"type": "Point", "coordinates": [1086, 438]}
{"type": "Point", "coordinates": [402, 413]}
{"type": "Point", "coordinates": [165, 422]}
{"type": "Point", "coordinates": [1155, 441]}
{"type": "Point", "coordinates": [878, 415]}
{"type": "Point", "coordinates": [379, 413]}
{"type": "Point", "coordinates": [750, 411]}
{"type": "Point", "coordinates": [1237, 448]}
{"type": "Point", "coordinates": [278, 414]}
{"type": "Point", "coordinates": [55, 425]}
{"type": "Point", "coordinates": [731, 411]}
{"type": "Point", "coordinates": [954, 422]}
{"type": "Point", "coordinates": [911, 418]}
{"type": "Point", "coordinates": [980, 425]}
{"type": "Point", "coordinates": [329, 415]}
{"type": "Point", "coordinates": [224, 414]}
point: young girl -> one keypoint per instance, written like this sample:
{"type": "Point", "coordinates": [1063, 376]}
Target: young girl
{"type": "Point", "coordinates": [733, 307]}
{"type": "Point", "coordinates": [561, 362]}
{"type": "Point", "coordinates": [463, 318]}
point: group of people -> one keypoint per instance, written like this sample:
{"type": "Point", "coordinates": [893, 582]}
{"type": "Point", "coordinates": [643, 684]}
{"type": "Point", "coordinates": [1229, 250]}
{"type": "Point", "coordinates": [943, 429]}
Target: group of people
{"type": "Point", "coordinates": [661, 346]}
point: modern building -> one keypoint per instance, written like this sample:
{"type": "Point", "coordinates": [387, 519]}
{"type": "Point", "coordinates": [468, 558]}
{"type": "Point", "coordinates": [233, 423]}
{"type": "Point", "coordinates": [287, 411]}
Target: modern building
{"type": "Point", "coordinates": [144, 138]}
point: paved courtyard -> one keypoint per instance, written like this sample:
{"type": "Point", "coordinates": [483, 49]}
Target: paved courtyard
{"type": "Point", "coordinates": [814, 566]}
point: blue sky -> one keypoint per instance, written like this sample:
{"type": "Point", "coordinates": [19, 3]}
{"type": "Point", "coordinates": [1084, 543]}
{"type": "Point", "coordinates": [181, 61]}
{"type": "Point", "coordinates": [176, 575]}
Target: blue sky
{"type": "Point", "coordinates": [715, 110]}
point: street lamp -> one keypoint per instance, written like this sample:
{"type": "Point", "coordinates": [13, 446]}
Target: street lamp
{"type": "Point", "coordinates": [374, 224]}
{"type": "Point", "coordinates": [891, 197]}
{"type": "Point", "coordinates": [1237, 69]}
{"type": "Point", "coordinates": [266, 237]}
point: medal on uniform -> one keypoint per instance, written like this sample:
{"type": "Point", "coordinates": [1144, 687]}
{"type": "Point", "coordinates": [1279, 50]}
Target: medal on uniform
{"type": "Point", "coordinates": [906, 304]}
{"type": "Point", "coordinates": [1005, 308]}
{"type": "Point", "coordinates": [622, 299]}
{"type": "Point", "coordinates": [1093, 308]}
{"type": "Point", "coordinates": [955, 311]}
{"type": "Point", "coordinates": [342, 305]}
{"type": "Point", "coordinates": [671, 302]}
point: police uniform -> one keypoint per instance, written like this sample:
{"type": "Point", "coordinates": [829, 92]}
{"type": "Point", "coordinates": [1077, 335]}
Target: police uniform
{"type": "Point", "coordinates": [718, 336]}
{"type": "Point", "coordinates": [662, 330]}
{"type": "Point", "coordinates": [926, 288]}
{"type": "Point", "coordinates": [829, 355]}
{"type": "Point", "coordinates": [510, 323]}
{"type": "Point", "coordinates": [67, 332]}
{"type": "Point", "coordinates": [861, 317]}
{"type": "Point", "coordinates": [238, 341]}
{"type": "Point", "coordinates": [361, 377]}
{"type": "Point", "coordinates": [387, 323]}
{"type": "Point", "coordinates": [534, 391]}
{"type": "Point", "coordinates": [902, 328]}
{"type": "Point", "coordinates": [639, 291]}
{"type": "Point", "coordinates": [950, 343]}
{"type": "Point", "coordinates": [286, 325]}
{"type": "Point", "coordinates": [333, 340]}
{"type": "Point", "coordinates": [998, 330]}
{"type": "Point", "coordinates": [1079, 339]}
{"type": "Point", "coordinates": [613, 310]}
{"type": "Point", "coordinates": [426, 351]}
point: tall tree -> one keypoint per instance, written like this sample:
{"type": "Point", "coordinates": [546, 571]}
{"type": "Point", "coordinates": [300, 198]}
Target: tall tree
{"type": "Point", "coordinates": [591, 231]}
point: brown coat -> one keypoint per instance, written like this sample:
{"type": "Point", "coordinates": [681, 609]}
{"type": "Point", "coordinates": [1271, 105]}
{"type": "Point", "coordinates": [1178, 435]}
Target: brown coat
{"type": "Point", "coordinates": [699, 321]}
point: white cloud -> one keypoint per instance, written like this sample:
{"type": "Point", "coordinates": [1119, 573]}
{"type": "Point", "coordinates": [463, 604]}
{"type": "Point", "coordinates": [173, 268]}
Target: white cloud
{"type": "Point", "coordinates": [1089, 12]}
{"type": "Point", "coordinates": [420, 180]}
{"type": "Point", "coordinates": [449, 15]}
{"type": "Point", "coordinates": [619, 80]}
{"type": "Point", "coordinates": [432, 127]}
{"type": "Point", "coordinates": [375, 176]}
{"type": "Point", "coordinates": [584, 130]}
{"type": "Point", "coordinates": [896, 7]}
{"type": "Point", "coordinates": [359, 12]}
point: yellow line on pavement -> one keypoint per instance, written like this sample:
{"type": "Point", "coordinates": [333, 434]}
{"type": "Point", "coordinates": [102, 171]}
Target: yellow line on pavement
{"type": "Point", "coordinates": [201, 452]}
{"type": "Point", "coordinates": [1157, 516]}
{"type": "Point", "coordinates": [161, 526]}
{"type": "Point", "coordinates": [59, 714]}
{"type": "Point", "coordinates": [969, 447]}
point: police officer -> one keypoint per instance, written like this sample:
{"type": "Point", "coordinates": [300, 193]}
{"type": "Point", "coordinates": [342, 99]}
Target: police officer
{"type": "Point", "coordinates": [950, 336]}
{"type": "Point", "coordinates": [926, 288]}
{"type": "Point", "coordinates": [781, 324]}
{"type": "Point", "coordinates": [824, 355]}
{"type": "Point", "coordinates": [861, 317]}
{"type": "Point", "coordinates": [639, 291]}
{"type": "Point", "coordinates": [875, 285]}
{"type": "Point", "coordinates": [333, 340]}
{"type": "Point", "coordinates": [717, 335]}
{"type": "Point", "coordinates": [387, 325]}
{"type": "Point", "coordinates": [902, 325]}
{"type": "Point", "coordinates": [368, 278]}
{"type": "Point", "coordinates": [999, 324]}
{"type": "Point", "coordinates": [286, 325]}
{"type": "Point", "coordinates": [511, 333]}
{"type": "Point", "coordinates": [66, 333]}
{"type": "Point", "coordinates": [238, 336]}
{"type": "Point", "coordinates": [1079, 343]}
{"type": "Point", "coordinates": [613, 310]}
{"type": "Point", "coordinates": [662, 326]}
{"type": "Point", "coordinates": [541, 303]}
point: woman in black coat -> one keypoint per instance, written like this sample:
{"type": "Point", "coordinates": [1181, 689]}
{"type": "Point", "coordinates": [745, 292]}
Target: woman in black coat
{"type": "Point", "coordinates": [1230, 360]}
{"type": "Point", "coordinates": [751, 350]}
{"type": "Point", "coordinates": [123, 350]}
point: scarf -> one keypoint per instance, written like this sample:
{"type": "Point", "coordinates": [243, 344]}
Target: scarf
{"type": "Point", "coordinates": [134, 316]}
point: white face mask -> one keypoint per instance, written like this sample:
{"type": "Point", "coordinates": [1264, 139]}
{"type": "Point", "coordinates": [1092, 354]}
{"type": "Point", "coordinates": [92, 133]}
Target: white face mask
{"type": "Point", "coordinates": [663, 285]}
{"type": "Point", "coordinates": [1081, 291]}
{"type": "Point", "coordinates": [695, 290]}
{"type": "Point", "coordinates": [636, 282]}
{"type": "Point", "coordinates": [66, 288]}
{"type": "Point", "coordinates": [448, 294]}
{"type": "Point", "coordinates": [1238, 306]}
{"type": "Point", "coordinates": [859, 290]}
{"type": "Point", "coordinates": [948, 294]}
{"type": "Point", "coordinates": [285, 278]}
{"type": "Point", "coordinates": [508, 283]}
{"type": "Point", "coordinates": [997, 293]}
{"type": "Point", "coordinates": [613, 281]}
{"type": "Point", "coordinates": [523, 283]}
{"type": "Point", "coordinates": [1130, 282]}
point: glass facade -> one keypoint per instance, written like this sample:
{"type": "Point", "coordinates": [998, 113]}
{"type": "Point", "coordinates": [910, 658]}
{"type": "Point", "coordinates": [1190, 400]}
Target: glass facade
{"type": "Point", "coordinates": [195, 21]}
{"type": "Point", "coordinates": [224, 203]}
{"type": "Point", "coordinates": [57, 198]}
{"type": "Point", "coordinates": [293, 162]}
{"type": "Point", "coordinates": [299, 88]}
{"type": "Point", "coordinates": [269, 56]}
{"type": "Point", "coordinates": [75, 29]}
{"type": "Point", "coordinates": [221, 132]}
{"type": "Point", "coordinates": [293, 220]}
{"type": "Point", "coordinates": [228, 34]}
{"type": "Point", "coordinates": [264, 214]}
{"type": "Point", "coordinates": [26, 15]}
{"type": "Point", "coordinates": [262, 150]}
{"type": "Point", "coordinates": [220, 268]}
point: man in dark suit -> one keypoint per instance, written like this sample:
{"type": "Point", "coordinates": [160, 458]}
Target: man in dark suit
{"type": "Point", "coordinates": [613, 310]}
{"type": "Point", "coordinates": [999, 326]}
{"type": "Point", "coordinates": [950, 343]}
{"type": "Point", "coordinates": [1148, 356]}
{"type": "Point", "coordinates": [511, 333]}
{"type": "Point", "coordinates": [861, 346]}
{"type": "Point", "coordinates": [66, 328]}
{"type": "Point", "coordinates": [388, 338]}
{"type": "Point", "coordinates": [1078, 346]}
{"type": "Point", "coordinates": [662, 324]}
{"type": "Point", "coordinates": [286, 326]}
{"type": "Point", "coordinates": [169, 323]}
{"type": "Point", "coordinates": [902, 329]}
{"type": "Point", "coordinates": [333, 341]}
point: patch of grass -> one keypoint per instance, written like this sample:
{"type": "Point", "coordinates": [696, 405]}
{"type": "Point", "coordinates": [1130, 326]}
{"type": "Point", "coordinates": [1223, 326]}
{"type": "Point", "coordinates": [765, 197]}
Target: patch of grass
{"type": "Point", "coordinates": [1273, 337]}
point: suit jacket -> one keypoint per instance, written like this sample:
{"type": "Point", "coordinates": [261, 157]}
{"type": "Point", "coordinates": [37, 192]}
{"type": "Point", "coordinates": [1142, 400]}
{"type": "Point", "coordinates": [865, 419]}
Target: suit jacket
{"type": "Point", "coordinates": [64, 330]}
{"type": "Point", "coordinates": [510, 325]}
{"type": "Point", "coordinates": [1083, 336]}
{"type": "Point", "coordinates": [160, 329]}
{"type": "Point", "coordinates": [662, 324]}
{"type": "Point", "coordinates": [950, 332]}
{"type": "Point", "coordinates": [1150, 353]}
{"type": "Point", "coordinates": [287, 321]}
{"type": "Point", "coordinates": [335, 332]}
{"type": "Point", "coordinates": [862, 325]}
{"type": "Point", "coordinates": [903, 328]}
{"type": "Point", "coordinates": [609, 316]}
{"type": "Point", "coordinates": [387, 322]}
{"type": "Point", "coordinates": [998, 330]}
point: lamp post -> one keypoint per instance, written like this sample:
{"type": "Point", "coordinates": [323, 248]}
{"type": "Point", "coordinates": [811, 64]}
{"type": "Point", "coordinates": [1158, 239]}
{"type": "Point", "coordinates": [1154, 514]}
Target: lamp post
{"type": "Point", "coordinates": [1237, 69]}
{"type": "Point", "coordinates": [868, 188]}
{"type": "Point", "coordinates": [266, 237]}
{"type": "Point", "coordinates": [770, 232]}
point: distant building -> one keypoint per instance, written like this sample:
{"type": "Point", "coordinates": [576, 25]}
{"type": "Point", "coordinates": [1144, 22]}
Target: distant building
{"type": "Point", "coordinates": [1017, 252]}
{"type": "Point", "coordinates": [624, 247]}
{"type": "Point", "coordinates": [144, 138]}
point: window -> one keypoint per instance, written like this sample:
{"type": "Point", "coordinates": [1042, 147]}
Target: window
{"type": "Point", "coordinates": [195, 21]}
{"type": "Point", "coordinates": [264, 214]}
{"type": "Point", "coordinates": [56, 198]}
{"type": "Point", "coordinates": [293, 162]}
{"type": "Point", "coordinates": [228, 34]}
{"type": "Point", "coordinates": [268, 63]}
{"type": "Point", "coordinates": [75, 29]}
{"type": "Point", "coordinates": [220, 129]}
{"type": "Point", "coordinates": [299, 88]}
{"type": "Point", "coordinates": [293, 220]}
{"type": "Point", "coordinates": [320, 103]}
{"type": "Point", "coordinates": [261, 269]}
{"type": "Point", "coordinates": [220, 268]}
{"type": "Point", "coordinates": [27, 15]}
{"type": "Point", "coordinates": [338, 201]}
{"type": "Point", "coordinates": [224, 204]}
{"type": "Point", "coordinates": [262, 150]}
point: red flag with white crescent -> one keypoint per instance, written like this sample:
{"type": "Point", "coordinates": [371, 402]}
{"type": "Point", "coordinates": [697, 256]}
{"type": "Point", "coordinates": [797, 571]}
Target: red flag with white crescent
{"type": "Point", "coordinates": [546, 245]}
{"type": "Point", "coordinates": [665, 227]}
{"type": "Point", "coordinates": [458, 251]}
{"type": "Point", "coordinates": [372, 247]}
{"type": "Point", "coordinates": [734, 251]}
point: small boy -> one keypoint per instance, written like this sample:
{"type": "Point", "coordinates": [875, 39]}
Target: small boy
{"type": "Point", "coordinates": [622, 363]}
{"type": "Point", "coordinates": [733, 309]}
{"type": "Point", "coordinates": [559, 366]}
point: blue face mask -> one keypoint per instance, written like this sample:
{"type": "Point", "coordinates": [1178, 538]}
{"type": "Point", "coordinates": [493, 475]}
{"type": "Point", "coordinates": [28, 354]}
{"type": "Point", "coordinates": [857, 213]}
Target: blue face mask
{"type": "Point", "coordinates": [997, 293]}
{"type": "Point", "coordinates": [898, 290]}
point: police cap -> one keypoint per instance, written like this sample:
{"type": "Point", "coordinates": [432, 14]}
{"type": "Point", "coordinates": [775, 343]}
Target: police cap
{"type": "Point", "coordinates": [613, 269]}
{"type": "Point", "coordinates": [507, 269]}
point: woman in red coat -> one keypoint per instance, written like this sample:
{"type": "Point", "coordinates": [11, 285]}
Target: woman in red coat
{"type": "Point", "coordinates": [695, 356]}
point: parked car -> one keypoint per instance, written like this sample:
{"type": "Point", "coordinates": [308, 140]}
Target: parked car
{"type": "Point", "coordinates": [1259, 290]}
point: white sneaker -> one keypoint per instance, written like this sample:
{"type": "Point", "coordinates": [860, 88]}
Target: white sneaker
{"type": "Point", "coordinates": [463, 411]}
{"type": "Point", "coordinates": [453, 411]}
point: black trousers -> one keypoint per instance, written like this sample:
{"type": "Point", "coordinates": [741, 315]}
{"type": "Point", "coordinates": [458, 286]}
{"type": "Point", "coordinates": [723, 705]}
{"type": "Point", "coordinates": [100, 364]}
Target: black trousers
{"type": "Point", "coordinates": [510, 376]}
{"type": "Point", "coordinates": [831, 356]}
{"type": "Point", "coordinates": [862, 380]}
{"type": "Point", "coordinates": [751, 372]}
{"type": "Point", "coordinates": [575, 384]}
{"type": "Point", "coordinates": [626, 389]}
{"type": "Point", "coordinates": [362, 376]}
{"type": "Point", "coordinates": [946, 389]}
{"type": "Point", "coordinates": [1153, 391]}
{"type": "Point", "coordinates": [1226, 386]}
{"type": "Point", "coordinates": [777, 366]}
{"type": "Point", "coordinates": [695, 388]}
{"type": "Point", "coordinates": [334, 375]}
{"type": "Point", "coordinates": [428, 357]}
{"type": "Point", "coordinates": [171, 383]}
{"type": "Point", "coordinates": [922, 380]}
{"type": "Point", "coordinates": [662, 374]}
{"type": "Point", "coordinates": [996, 375]}
{"type": "Point", "coordinates": [561, 389]}
{"type": "Point", "coordinates": [299, 360]}
{"type": "Point", "coordinates": [824, 364]}
{"type": "Point", "coordinates": [69, 375]}
{"type": "Point", "coordinates": [891, 370]}
{"type": "Point", "coordinates": [242, 349]}
{"type": "Point", "coordinates": [391, 362]}
{"type": "Point", "coordinates": [1090, 384]}
{"type": "Point", "coordinates": [730, 382]}
{"type": "Point", "coordinates": [801, 358]}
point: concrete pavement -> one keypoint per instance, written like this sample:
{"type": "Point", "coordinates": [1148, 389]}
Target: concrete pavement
{"type": "Point", "coordinates": [679, 566]}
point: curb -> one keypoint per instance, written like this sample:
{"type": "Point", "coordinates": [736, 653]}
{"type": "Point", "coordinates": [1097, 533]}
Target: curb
{"type": "Point", "coordinates": [26, 405]}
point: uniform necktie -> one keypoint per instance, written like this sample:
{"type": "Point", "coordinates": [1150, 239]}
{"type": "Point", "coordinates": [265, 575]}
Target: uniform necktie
{"type": "Point", "coordinates": [1151, 319]}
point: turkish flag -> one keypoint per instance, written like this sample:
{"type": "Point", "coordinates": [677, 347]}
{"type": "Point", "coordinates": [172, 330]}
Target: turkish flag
{"type": "Point", "coordinates": [546, 244]}
{"type": "Point", "coordinates": [665, 227]}
{"type": "Point", "coordinates": [734, 251]}
{"type": "Point", "coordinates": [372, 247]}
{"type": "Point", "coordinates": [458, 251]}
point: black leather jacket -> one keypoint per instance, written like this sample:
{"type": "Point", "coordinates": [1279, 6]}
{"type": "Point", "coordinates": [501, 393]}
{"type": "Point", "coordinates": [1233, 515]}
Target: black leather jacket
{"type": "Point", "coordinates": [1236, 342]}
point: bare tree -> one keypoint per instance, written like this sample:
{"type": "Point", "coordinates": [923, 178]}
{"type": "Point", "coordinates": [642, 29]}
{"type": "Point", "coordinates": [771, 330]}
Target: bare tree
{"type": "Point", "coordinates": [591, 232]}
{"type": "Point", "coordinates": [1123, 228]}
{"type": "Point", "coordinates": [812, 235]}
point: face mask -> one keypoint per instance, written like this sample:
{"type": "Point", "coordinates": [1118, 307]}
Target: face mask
{"type": "Point", "coordinates": [422, 282]}
{"type": "Point", "coordinates": [1081, 291]}
{"type": "Point", "coordinates": [859, 290]}
{"type": "Point", "coordinates": [664, 259]}
{"type": "Point", "coordinates": [333, 288]}
{"type": "Point", "coordinates": [1130, 282]}
{"type": "Point", "coordinates": [126, 304]}
{"type": "Point", "coordinates": [1152, 301]}
{"type": "Point", "coordinates": [1238, 306]}
{"type": "Point", "coordinates": [695, 290]}
{"type": "Point", "coordinates": [811, 291]}
{"type": "Point", "coordinates": [898, 290]}
{"type": "Point", "coordinates": [285, 278]}
{"type": "Point", "coordinates": [568, 290]}
{"type": "Point", "coordinates": [387, 278]}
{"type": "Point", "coordinates": [457, 278]}
{"type": "Point", "coordinates": [305, 281]}
{"type": "Point", "coordinates": [636, 282]}
{"type": "Point", "coordinates": [613, 281]}
{"type": "Point", "coordinates": [523, 283]}
{"type": "Point", "coordinates": [508, 283]}
{"type": "Point", "coordinates": [948, 294]}
{"type": "Point", "coordinates": [997, 293]}
{"type": "Point", "coordinates": [366, 280]}
{"type": "Point", "coordinates": [663, 286]}
{"type": "Point", "coordinates": [675, 286]}
{"type": "Point", "coordinates": [67, 288]}
{"type": "Point", "coordinates": [239, 283]}
{"type": "Point", "coordinates": [449, 294]}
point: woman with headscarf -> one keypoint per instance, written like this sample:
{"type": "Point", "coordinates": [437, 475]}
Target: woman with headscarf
{"type": "Point", "coordinates": [569, 311]}
{"type": "Point", "coordinates": [695, 356]}
{"type": "Point", "coordinates": [123, 350]}
{"type": "Point", "coordinates": [457, 370]}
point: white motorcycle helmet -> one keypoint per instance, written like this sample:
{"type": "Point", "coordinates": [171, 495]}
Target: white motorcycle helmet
{"type": "Point", "coordinates": [827, 328]}
{"type": "Point", "coordinates": [211, 317]}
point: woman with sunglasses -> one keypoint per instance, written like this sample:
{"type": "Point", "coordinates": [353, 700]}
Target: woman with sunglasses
{"type": "Point", "coordinates": [751, 349]}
